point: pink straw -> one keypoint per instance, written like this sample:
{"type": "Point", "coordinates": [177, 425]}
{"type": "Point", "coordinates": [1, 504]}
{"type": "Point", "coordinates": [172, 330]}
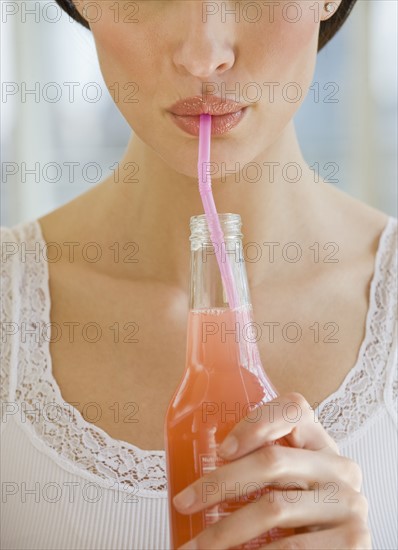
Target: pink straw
{"type": "Point", "coordinates": [213, 222]}
{"type": "Point", "coordinates": [249, 354]}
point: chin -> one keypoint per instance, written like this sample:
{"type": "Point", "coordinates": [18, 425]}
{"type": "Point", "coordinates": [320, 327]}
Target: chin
{"type": "Point", "coordinates": [226, 159]}
{"type": "Point", "coordinates": [228, 155]}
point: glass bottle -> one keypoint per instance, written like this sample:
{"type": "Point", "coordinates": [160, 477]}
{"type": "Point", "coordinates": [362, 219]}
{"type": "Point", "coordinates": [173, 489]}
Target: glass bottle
{"type": "Point", "coordinates": [223, 381]}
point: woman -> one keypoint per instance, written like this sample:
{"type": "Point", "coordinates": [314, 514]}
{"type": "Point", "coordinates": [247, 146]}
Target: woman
{"type": "Point", "coordinates": [83, 424]}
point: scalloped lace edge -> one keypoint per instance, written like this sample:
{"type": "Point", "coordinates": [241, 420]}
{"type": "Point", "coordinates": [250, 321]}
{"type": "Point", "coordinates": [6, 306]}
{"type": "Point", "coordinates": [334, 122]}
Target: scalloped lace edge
{"type": "Point", "coordinates": [85, 449]}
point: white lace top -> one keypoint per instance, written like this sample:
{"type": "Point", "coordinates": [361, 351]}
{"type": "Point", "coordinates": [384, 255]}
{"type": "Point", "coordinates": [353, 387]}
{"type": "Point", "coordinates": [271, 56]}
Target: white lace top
{"type": "Point", "coordinates": [67, 484]}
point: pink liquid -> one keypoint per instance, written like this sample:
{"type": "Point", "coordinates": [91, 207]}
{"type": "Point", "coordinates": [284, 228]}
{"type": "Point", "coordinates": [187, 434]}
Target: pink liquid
{"type": "Point", "coordinates": [215, 393]}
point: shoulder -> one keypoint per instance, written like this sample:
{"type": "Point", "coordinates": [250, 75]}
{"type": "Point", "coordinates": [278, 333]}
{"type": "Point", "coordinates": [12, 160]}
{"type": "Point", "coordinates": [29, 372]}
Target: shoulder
{"type": "Point", "coordinates": [373, 381]}
{"type": "Point", "coordinates": [382, 347]}
{"type": "Point", "coordinates": [21, 248]}
{"type": "Point", "coordinates": [389, 241]}
{"type": "Point", "coordinates": [21, 272]}
{"type": "Point", "coordinates": [384, 291]}
{"type": "Point", "coordinates": [386, 305]}
{"type": "Point", "coordinates": [386, 267]}
{"type": "Point", "coordinates": [368, 237]}
{"type": "Point", "coordinates": [10, 241]}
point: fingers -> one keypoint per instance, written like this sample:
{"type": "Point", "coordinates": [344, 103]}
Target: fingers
{"type": "Point", "coordinates": [285, 510]}
{"type": "Point", "coordinates": [289, 416]}
{"type": "Point", "coordinates": [274, 464]}
{"type": "Point", "coordinates": [349, 537]}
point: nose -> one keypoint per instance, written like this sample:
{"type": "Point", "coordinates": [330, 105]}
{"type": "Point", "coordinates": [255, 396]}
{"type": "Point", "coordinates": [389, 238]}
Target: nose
{"type": "Point", "coordinates": [205, 46]}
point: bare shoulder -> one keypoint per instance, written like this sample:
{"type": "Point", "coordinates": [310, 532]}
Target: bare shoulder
{"type": "Point", "coordinates": [358, 225]}
{"type": "Point", "coordinates": [74, 219]}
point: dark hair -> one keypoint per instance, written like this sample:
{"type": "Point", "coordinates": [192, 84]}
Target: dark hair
{"type": "Point", "coordinates": [327, 30]}
{"type": "Point", "coordinates": [330, 27]}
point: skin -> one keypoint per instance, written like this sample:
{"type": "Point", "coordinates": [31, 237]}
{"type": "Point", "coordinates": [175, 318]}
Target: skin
{"type": "Point", "coordinates": [170, 60]}
{"type": "Point", "coordinates": [312, 465]}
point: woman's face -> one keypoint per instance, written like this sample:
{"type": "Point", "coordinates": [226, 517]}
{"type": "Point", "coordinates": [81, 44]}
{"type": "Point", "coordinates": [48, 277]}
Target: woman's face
{"type": "Point", "coordinates": [153, 53]}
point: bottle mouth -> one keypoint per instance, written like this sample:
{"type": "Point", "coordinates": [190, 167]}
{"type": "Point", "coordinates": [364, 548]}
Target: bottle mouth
{"type": "Point", "coordinates": [230, 225]}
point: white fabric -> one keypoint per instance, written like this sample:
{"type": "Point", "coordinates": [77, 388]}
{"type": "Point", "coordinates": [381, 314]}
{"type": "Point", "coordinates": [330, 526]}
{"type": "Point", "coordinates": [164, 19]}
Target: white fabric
{"type": "Point", "coordinates": [67, 484]}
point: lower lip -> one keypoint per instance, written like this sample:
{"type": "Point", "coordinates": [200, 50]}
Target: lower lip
{"type": "Point", "coordinates": [220, 124]}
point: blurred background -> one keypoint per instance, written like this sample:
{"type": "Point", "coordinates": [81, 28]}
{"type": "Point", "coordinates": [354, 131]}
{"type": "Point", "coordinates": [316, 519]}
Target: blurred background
{"type": "Point", "coordinates": [61, 132]}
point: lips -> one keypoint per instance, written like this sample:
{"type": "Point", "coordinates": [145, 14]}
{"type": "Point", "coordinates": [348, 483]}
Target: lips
{"type": "Point", "coordinates": [226, 114]}
{"type": "Point", "coordinates": [211, 105]}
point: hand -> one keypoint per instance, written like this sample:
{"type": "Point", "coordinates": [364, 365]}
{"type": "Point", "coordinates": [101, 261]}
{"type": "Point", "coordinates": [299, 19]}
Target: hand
{"type": "Point", "coordinates": [328, 510]}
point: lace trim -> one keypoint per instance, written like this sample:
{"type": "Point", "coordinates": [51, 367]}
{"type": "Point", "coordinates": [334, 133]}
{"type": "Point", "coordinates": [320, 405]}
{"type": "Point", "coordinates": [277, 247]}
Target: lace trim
{"type": "Point", "coordinates": [8, 308]}
{"type": "Point", "coordinates": [75, 443]}
{"type": "Point", "coordinates": [59, 429]}
{"type": "Point", "coordinates": [391, 388]}
{"type": "Point", "coordinates": [355, 405]}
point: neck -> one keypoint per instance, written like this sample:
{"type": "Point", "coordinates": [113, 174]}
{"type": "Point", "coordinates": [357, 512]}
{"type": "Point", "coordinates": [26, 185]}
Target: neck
{"type": "Point", "coordinates": [154, 211]}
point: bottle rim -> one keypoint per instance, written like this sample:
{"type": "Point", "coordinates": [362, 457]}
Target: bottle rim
{"type": "Point", "coordinates": [231, 224]}
{"type": "Point", "coordinates": [224, 216]}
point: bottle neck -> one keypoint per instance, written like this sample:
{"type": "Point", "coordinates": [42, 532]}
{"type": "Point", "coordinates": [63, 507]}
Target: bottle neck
{"type": "Point", "coordinates": [221, 338]}
{"type": "Point", "coordinates": [207, 290]}
{"type": "Point", "coordinates": [206, 287]}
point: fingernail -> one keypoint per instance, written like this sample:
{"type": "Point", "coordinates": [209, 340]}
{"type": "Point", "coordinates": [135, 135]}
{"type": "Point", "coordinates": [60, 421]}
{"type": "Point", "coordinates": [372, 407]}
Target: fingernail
{"type": "Point", "coordinates": [190, 545]}
{"type": "Point", "coordinates": [186, 498]}
{"type": "Point", "coordinates": [229, 446]}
